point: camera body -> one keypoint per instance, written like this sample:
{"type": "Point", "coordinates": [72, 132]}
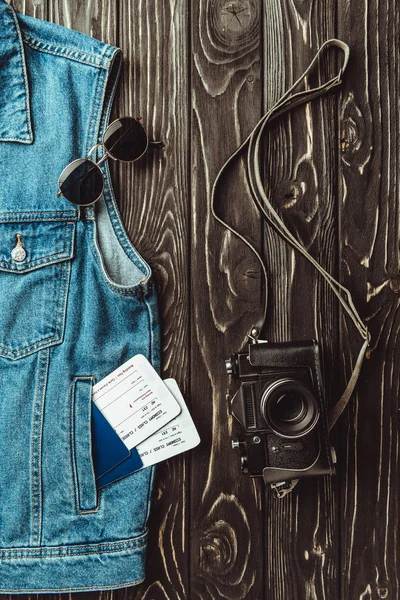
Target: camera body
{"type": "Point", "coordinates": [281, 406]}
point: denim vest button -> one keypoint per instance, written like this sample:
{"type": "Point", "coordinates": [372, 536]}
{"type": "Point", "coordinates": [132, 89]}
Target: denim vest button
{"type": "Point", "coordinates": [18, 253]}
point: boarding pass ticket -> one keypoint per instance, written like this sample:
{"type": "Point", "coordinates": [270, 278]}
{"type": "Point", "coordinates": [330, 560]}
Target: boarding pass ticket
{"type": "Point", "coordinates": [147, 413]}
{"type": "Point", "coordinates": [135, 401]}
{"type": "Point", "coordinates": [177, 436]}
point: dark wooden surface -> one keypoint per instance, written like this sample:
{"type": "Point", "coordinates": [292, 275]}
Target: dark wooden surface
{"type": "Point", "coordinates": [201, 74]}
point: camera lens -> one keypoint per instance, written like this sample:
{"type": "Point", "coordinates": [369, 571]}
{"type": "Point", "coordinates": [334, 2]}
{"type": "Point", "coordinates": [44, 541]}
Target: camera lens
{"type": "Point", "coordinates": [289, 408]}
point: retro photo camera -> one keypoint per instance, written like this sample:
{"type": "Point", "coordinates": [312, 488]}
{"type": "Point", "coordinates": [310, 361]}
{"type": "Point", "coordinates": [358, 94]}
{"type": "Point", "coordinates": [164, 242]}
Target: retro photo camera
{"type": "Point", "coordinates": [281, 406]}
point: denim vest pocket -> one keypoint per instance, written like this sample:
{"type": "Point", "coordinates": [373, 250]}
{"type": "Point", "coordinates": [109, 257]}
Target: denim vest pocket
{"type": "Point", "coordinates": [86, 498]}
{"type": "Point", "coordinates": [35, 259]}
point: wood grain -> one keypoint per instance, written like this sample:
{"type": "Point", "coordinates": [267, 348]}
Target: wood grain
{"type": "Point", "coordinates": [201, 74]}
{"type": "Point", "coordinates": [370, 262]}
{"type": "Point", "coordinates": [301, 154]}
{"type": "Point", "coordinates": [226, 508]}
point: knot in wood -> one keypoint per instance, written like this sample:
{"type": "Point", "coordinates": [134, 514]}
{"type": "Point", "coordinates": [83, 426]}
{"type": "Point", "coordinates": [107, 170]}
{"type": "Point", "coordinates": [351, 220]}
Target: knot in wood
{"type": "Point", "coordinates": [224, 548]}
{"type": "Point", "coordinates": [318, 550]}
{"type": "Point", "coordinates": [288, 194]}
{"type": "Point", "coordinates": [382, 592]}
{"type": "Point", "coordinates": [247, 280]}
{"type": "Point", "coordinates": [217, 550]}
{"type": "Point", "coordinates": [350, 139]}
{"type": "Point", "coordinates": [235, 16]}
{"type": "Point", "coordinates": [235, 21]}
{"type": "Point", "coordinates": [395, 285]}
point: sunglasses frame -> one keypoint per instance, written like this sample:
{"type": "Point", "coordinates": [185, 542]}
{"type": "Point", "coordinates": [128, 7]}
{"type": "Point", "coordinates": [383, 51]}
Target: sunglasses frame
{"type": "Point", "coordinates": [106, 155]}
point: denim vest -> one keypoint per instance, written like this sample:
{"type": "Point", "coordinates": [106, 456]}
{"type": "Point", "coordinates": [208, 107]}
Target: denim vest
{"type": "Point", "coordinates": [76, 301]}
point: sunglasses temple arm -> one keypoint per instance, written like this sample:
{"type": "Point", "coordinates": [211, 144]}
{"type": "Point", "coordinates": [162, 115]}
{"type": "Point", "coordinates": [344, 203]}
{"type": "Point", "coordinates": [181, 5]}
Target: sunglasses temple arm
{"type": "Point", "coordinates": [104, 157]}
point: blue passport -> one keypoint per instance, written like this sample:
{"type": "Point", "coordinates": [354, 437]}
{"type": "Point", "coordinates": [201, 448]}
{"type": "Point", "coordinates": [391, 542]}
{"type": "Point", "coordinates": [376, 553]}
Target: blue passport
{"type": "Point", "coordinates": [111, 458]}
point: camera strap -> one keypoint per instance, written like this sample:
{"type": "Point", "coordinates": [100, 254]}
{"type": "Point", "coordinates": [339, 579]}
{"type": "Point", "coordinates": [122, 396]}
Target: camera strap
{"type": "Point", "coordinates": [288, 101]}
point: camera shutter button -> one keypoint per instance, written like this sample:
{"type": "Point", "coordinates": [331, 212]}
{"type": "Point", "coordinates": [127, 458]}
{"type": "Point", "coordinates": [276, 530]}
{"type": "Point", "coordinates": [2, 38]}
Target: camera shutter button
{"type": "Point", "coordinates": [236, 444]}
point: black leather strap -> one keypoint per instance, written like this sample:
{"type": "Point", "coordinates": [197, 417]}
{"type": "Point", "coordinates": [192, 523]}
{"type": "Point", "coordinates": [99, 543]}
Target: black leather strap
{"type": "Point", "coordinates": [288, 101]}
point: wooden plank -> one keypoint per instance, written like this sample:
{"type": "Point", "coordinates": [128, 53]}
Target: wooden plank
{"type": "Point", "coordinates": [153, 197]}
{"type": "Point", "coordinates": [301, 155]}
{"type": "Point", "coordinates": [370, 266]}
{"type": "Point", "coordinates": [33, 8]}
{"type": "Point", "coordinates": [226, 507]}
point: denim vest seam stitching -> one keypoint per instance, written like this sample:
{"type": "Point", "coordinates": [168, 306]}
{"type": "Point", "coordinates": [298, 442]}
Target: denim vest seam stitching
{"type": "Point", "coordinates": [152, 467]}
{"type": "Point", "coordinates": [96, 124]}
{"type": "Point", "coordinates": [139, 289]}
{"type": "Point", "coordinates": [62, 316]}
{"type": "Point", "coordinates": [92, 134]}
{"type": "Point", "coordinates": [22, 141]}
{"type": "Point", "coordinates": [151, 346]}
{"type": "Point", "coordinates": [94, 552]}
{"type": "Point", "coordinates": [21, 352]}
{"type": "Point", "coordinates": [38, 262]}
{"type": "Point", "coordinates": [103, 115]}
{"type": "Point", "coordinates": [72, 442]}
{"type": "Point", "coordinates": [74, 550]}
{"type": "Point", "coordinates": [25, 77]}
{"type": "Point", "coordinates": [95, 509]}
{"type": "Point", "coordinates": [150, 492]}
{"type": "Point", "coordinates": [62, 297]}
{"type": "Point", "coordinates": [67, 56]}
{"type": "Point", "coordinates": [87, 213]}
{"type": "Point", "coordinates": [69, 589]}
{"type": "Point", "coordinates": [120, 230]}
{"type": "Point", "coordinates": [62, 216]}
{"type": "Point", "coordinates": [112, 79]}
{"type": "Point", "coordinates": [36, 441]}
{"type": "Point", "coordinates": [78, 507]}
{"type": "Point", "coordinates": [149, 487]}
{"type": "Point", "coordinates": [40, 212]}
{"type": "Point", "coordinates": [99, 61]}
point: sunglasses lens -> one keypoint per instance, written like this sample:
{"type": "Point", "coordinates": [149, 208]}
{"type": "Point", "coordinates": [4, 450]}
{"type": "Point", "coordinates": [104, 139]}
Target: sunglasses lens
{"type": "Point", "coordinates": [81, 182]}
{"type": "Point", "coordinates": [125, 139]}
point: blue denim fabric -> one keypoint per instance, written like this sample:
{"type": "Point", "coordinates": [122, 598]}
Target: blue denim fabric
{"type": "Point", "coordinates": [79, 304]}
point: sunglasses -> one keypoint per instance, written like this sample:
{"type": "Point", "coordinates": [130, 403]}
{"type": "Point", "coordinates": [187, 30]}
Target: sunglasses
{"type": "Point", "coordinates": [125, 139]}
